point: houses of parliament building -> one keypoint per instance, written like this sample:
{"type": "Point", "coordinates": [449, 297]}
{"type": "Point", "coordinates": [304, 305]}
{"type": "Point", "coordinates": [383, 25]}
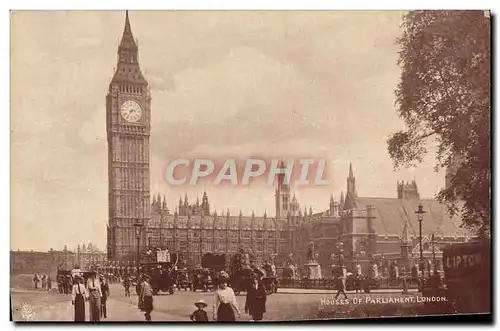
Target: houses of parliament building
{"type": "Point", "coordinates": [371, 229]}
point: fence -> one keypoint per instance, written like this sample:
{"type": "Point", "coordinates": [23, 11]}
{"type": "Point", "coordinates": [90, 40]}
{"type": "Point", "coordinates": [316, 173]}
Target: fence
{"type": "Point", "coordinates": [330, 283]}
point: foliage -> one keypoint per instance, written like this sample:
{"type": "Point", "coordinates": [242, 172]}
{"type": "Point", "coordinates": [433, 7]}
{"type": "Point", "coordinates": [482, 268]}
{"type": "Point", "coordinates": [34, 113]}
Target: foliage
{"type": "Point", "coordinates": [444, 93]}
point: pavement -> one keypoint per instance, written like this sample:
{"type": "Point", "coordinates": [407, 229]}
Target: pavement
{"type": "Point", "coordinates": [287, 304]}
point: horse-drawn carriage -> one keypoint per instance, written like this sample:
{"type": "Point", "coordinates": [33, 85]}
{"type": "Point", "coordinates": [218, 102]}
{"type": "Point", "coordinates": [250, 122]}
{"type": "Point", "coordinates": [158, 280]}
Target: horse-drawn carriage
{"type": "Point", "coordinates": [202, 279]}
{"type": "Point", "coordinates": [183, 281]}
{"type": "Point", "coordinates": [64, 281]}
{"type": "Point", "coordinates": [241, 280]}
{"type": "Point", "coordinates": [269, 279]}
{"type": "Point", "coordinates": [162, 276]}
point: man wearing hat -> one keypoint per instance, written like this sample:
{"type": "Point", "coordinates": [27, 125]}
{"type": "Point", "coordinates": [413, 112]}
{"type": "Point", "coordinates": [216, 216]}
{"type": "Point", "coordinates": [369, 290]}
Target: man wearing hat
{"type": "Point", "coordinates": [255, 304]}
{"type": "Point", "coordinates": [95, 295]}
{"type": "Point", "coordinates": [105, 295]}
{"type": "Point", "coordinates": [146, 297]}
{"type": "Point", "coordinates": [199, 315]}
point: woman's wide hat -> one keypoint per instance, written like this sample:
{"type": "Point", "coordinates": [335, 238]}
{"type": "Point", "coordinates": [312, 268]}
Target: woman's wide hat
{"type": "Point", "coordinates": [259, 272]}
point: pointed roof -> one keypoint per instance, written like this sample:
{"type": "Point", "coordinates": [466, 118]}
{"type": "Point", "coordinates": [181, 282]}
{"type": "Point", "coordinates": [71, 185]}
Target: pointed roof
{"type": "Point", "coordinates": [128, 42]}
{"type": "Point", "coordinates": [128, 70]}
{"type": "Point", "coordinates": [351, 173]}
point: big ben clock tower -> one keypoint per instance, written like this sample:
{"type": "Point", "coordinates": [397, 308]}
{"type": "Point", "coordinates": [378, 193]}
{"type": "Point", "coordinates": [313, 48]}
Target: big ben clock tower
{"type": "Point", "coordinates": [128, 117]}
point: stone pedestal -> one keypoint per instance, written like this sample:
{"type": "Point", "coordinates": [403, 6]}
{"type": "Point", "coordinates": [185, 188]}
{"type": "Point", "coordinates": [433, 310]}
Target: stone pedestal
{"type": "Point", "coordinates": [313, 270]}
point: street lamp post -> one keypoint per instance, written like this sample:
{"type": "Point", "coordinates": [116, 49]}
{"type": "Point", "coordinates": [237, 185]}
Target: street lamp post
{"type": "Point", "coordinates": [433, 242]}
{"type": "Point", "coordinates": [420, 214]}
{"type": "Point", "coordinates": [138, 228]}
{"type": "Point", "coordinates": [340, 251]}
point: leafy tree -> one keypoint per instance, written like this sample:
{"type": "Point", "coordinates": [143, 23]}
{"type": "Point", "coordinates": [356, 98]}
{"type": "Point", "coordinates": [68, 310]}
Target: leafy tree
{"type": "Point", "coordinates": [444, 93]}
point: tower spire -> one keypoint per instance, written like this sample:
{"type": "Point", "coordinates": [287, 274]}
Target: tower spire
{"type": "Point", "coordinates": [128, 41]}
{"type": "Point", "coordinates": [128, 71]}
{"type": "Point", "coordinates": [351, 183]}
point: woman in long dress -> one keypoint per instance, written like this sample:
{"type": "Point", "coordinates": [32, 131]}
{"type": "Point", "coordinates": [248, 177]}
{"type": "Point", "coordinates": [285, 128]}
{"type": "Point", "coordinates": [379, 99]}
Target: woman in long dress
{"type": "Point", "coordinates": [255, 304]}
{"type": "Point", "coordinates": [225, 304]}
{"type": "Point", "coordinates": [78, 297]}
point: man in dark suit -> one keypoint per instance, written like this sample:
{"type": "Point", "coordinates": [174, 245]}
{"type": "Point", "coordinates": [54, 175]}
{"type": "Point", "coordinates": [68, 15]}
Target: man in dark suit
{"type": "Point", "coordinates": [255, 304]}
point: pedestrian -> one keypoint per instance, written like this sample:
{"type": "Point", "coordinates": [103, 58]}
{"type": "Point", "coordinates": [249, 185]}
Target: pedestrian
{"type": "Point", "coordinates": [44, 282]}
{"type": "Point", "coordinates": [340, 285]}
{"type": "Point", "coordinates": [105, 295]}
{"type": "Point", "coordinates": [126, 285]}
{"type": "Point", "coordinates": [255, 304]}
{"type": "Point", "coordinates": [36, 280]}
{"type": "Point", "coordinates": [49, 283]}
{"type": "Point", "coordinates": [94, 288]}
{"type": "Point", "coordinates": [79, 295]}
{"type": "Point", "coordinates": [60, 284]}
{"type": "Point", "coordinates": [225, 304]}
{"type": "Point", "coordinates": [199, 315]}
{"type": "Point", "coordinates": [68, 283]}
{"type": "Point", "coordinates": [146, 298]}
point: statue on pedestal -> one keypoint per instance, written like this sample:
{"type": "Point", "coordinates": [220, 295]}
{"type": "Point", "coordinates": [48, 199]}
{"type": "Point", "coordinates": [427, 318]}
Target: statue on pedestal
{"type": "Point", "coordinates": [375, 271]}
{"type": "Point", "coordinates": [289, 271]}
{"type": "Point", "coordinates": [310, 252]}
{"type": "Point", "coordinates": [358, 269]}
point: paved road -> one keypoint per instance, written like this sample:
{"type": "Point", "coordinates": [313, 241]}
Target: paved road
{"type": "Point", "coordinates": [287, 304]}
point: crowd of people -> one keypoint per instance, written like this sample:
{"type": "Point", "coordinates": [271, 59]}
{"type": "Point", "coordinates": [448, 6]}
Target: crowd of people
{"type": "Point", "coordinates": [225, 305]}
{"type": "Point", "coordinates": [43, 282]}
{"type": "Point", "coordinates": [95, 292]}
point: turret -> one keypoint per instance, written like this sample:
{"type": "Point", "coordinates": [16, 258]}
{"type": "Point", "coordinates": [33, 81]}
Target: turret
{"type": "Point", "coordinates": [351, 183]}
{"type": "Point", "coordinates": [164, 207]}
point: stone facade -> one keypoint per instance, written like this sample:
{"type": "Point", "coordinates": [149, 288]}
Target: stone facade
{"type": "Point", "coordinates": [30, 262]}
{"type": "Point", "coordinates": [89, 255]}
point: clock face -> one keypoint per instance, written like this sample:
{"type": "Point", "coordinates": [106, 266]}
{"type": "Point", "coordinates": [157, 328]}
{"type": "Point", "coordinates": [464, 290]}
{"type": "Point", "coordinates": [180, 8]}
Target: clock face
{"type": "Point", "coordinates": [131, 111]}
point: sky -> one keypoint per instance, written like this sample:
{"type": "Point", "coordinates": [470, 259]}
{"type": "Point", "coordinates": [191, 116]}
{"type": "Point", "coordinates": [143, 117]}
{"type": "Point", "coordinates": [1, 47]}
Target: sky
{"type": "Point", "coordinates": [224, 85]}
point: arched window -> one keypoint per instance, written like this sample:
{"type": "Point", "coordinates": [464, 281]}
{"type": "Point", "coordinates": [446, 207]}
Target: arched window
{"type": "Point", "coordinates": [426, 246]}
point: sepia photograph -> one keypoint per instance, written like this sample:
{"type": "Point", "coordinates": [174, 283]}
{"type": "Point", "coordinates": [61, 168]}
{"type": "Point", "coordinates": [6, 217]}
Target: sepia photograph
{"type": "Point", "coordinates": [250, 166]}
